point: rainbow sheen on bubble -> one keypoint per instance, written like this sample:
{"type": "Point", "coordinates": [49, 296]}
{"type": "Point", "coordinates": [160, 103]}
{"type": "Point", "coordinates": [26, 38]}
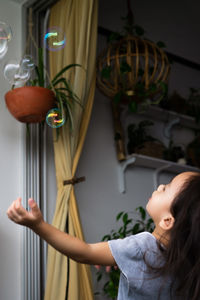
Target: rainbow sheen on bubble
{"type": "Point", "coordinates": [54, 118]}
{"type": "Point", "coordinates": [27, 63]}
{"type": "Point", "coordinates": [54, 39]}
{"type": "Point", "coordinates": [15, 74]}
{"type": "Point", "coordinates": [5, 37]}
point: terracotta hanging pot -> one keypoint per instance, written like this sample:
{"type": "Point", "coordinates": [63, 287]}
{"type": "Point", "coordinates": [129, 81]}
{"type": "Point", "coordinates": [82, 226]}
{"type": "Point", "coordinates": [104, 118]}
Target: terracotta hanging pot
{"type": "Point", "coordinates": [30, 104]}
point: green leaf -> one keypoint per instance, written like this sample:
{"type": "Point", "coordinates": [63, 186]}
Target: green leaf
{"type": "Point", "coordinates": [106, 237]}
{"type": "Point", "coordinates": [139, 30]}
{"type": "Point", "coordinates": [60, 80]}
{"type": "Point", "coordinates": [115, 236]}
{"type": "Point", "coordinates": [125, 67]}
{"type": "Point", "coordinates": [132, 106]}
{"type": "Point", "coordinates": [40, 68]}
{"type": "Point", "coordinates": [152, 87]}
{"type": "Point", "coordinates": [105, 73]}
{"type": "Point", "coordinates": [121, 229]}
{"type": "Point", "coordinates": [161, 44]}
{"type": "Point", "coordinates": [113, 37]}
{"type": "Point", "coordinates": [68, 89]}
{"type": "Point", "coordinates": [64, 70]}
{"type": "Point", "coordinates": [135, 229]}
{"type": "Point", "coordinates": [99, 276]}
{"type": "Point", "coordinates": [33, 82]}
{"type": "Point", "coordinates": [125, 217]}
{"type": "Point", "coordinates": [164, 87]}
{"type": "Point", "coordinates": [142, 212]}
{"type": "Point", "coordinates": [67, 96]}
{"type": "Point", "coordinates": [71, 119]}
{"type": "Point", "coordinates": [119, 215]}
{"type": "Point", "coordinates": [128, 221]}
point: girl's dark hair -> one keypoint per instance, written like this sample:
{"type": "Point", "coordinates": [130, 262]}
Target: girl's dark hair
{"type": "Point", "coordinates": [182, 254]}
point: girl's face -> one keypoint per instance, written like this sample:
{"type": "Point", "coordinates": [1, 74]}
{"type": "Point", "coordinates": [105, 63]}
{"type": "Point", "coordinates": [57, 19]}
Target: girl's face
{"type": "Point", "coordinates": [158, 206]}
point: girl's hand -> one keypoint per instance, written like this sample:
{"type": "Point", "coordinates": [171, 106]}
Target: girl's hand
{"type": "Point", "coordinates": [18, 214]}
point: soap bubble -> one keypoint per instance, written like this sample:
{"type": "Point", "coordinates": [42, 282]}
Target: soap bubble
{"type": "Point", "coordinates": [27, 63]}
{"type": "Point", "coordinates": [15, 74]}
{"type": "Point", "coordinates": [5, 37]}
{"type": "Point", "coordinates": [5, 31]}
{"type": "Point", "coordinates": [54, 39]}
{"type": "Point", "coordinates": [54, 118]}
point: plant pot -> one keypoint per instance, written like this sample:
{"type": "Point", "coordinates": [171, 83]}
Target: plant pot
{"type": "Point", "coordinates": [151, 148]}
{"type": "Point", "coordinates": [30, 104]}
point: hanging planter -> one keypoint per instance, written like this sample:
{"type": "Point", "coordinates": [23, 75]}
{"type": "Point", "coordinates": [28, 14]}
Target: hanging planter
{"type": "Point", "coordinates": [30, 104]}
{"type": "Point", "coordinates": [133, 70]}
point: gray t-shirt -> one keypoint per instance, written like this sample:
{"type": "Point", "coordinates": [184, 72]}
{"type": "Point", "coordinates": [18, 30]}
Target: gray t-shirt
{"type": "Point", "coordinates": [135, 282]}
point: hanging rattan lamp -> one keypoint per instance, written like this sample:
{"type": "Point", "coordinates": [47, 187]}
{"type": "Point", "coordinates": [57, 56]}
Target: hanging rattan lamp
{"type": "Point", "coordinates": [145, 65]}
{"type": "Point", "coordinates": [133, 67]}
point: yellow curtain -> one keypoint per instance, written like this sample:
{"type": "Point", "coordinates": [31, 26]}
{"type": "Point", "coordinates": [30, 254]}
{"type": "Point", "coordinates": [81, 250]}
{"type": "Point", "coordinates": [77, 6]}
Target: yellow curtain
{"type": "Point", "coordinates": [78, 19]}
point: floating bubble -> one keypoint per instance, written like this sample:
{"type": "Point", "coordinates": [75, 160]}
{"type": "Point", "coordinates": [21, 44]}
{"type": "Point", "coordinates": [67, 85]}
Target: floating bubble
{"type": "Point", "coordinates": [5, 31]}
{"type": "Point", "coordinates": [27, 63]}
{"type": "Point", "coordinates": [54, 39]}
{"type": "Point", "coordinates": [54, 118]}
{"type": "Point", "coordinates": [15, 74]}
{"type": "Point", "coordinates": [5, 37]}
{"type": "Point", "coordinates": [3, 48]}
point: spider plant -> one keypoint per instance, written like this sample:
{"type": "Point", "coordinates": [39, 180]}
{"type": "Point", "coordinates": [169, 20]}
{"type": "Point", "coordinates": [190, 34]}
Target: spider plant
{"type": "Point", "coordinates": [65, 96]}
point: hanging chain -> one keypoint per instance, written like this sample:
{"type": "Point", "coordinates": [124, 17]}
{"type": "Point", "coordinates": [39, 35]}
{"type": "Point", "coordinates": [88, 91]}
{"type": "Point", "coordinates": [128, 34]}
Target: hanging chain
{"type": "Point", "coordinates": [30, 33]}
{"type": "Point", "coordinates": [130, 18]}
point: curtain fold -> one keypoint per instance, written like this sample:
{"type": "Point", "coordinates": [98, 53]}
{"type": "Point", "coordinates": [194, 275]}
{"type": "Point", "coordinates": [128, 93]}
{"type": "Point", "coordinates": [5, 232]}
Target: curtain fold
{"type": "Point", "coordinates": [67, 279]}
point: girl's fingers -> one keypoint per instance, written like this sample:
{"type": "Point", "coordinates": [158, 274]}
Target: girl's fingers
{"type": "Point", "coordinates": [19, 208]}
{"type": "Point", "coordinates": [16, 211]}
{"type": "Point", "coordinates": [13, 215]}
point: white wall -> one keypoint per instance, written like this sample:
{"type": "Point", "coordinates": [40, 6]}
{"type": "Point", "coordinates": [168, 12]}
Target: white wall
{"type": "Point", "coordinates": [98, 197]}
{"type": "Point", "coordinates": [11, 168]}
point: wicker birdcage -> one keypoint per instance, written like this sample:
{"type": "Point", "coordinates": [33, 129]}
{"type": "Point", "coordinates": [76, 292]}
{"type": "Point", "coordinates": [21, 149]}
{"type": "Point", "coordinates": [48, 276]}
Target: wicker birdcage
{"type": "Point", "coordinates": [147, 65]}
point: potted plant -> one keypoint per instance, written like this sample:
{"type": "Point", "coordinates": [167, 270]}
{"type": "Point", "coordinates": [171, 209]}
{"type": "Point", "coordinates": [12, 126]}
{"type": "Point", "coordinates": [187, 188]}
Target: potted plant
{"type": "Point", "coordinates": [31, 103]}
{"type": "Point", "coordinates": [174, 153]}
{"type": "Point", "coordinates": [140, 142]}
{"type": "Point", "coordinates": [129, 227]}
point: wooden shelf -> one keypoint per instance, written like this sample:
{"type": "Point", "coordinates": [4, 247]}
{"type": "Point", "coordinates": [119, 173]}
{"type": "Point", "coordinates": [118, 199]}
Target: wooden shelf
{"type": "Point", "coordinates": [150, 162]}
{"type": "Point", "coordinates": [156, 163]}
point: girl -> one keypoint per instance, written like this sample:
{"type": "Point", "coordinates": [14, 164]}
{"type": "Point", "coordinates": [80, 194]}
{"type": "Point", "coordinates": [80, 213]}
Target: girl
{"type": "Point", "coordinates": [162, 265]}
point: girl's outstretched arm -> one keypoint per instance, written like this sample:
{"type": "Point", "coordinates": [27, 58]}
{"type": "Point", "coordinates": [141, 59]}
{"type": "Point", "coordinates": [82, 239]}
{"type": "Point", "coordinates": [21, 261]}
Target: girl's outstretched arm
{"type": "Point", "coordinates": [76, 249]}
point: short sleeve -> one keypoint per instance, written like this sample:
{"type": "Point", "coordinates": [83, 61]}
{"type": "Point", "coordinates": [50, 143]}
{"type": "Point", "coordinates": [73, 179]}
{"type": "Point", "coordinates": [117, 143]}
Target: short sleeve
{"type": "Point", "coordinates": [136, 281]}
{"type": "Point", "coordinates": [127, 253]}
